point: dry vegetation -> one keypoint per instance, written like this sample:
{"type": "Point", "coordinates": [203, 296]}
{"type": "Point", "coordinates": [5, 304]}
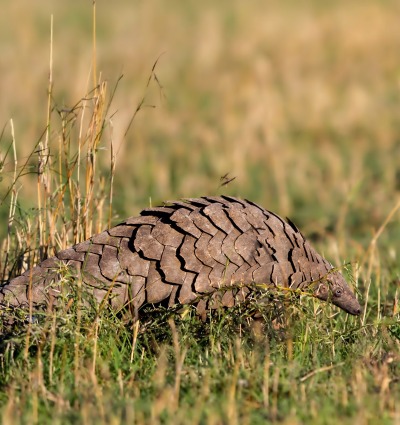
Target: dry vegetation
{"type": "Point", "coordinates": [297, 100]}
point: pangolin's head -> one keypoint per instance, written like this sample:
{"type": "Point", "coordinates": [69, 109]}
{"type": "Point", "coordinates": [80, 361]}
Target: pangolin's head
{"type": "Point", "coordinates": [333, 288]}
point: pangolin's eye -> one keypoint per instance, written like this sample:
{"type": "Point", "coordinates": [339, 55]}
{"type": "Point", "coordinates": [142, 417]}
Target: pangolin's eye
{"type": "Point", "coordinates": [338, 292]}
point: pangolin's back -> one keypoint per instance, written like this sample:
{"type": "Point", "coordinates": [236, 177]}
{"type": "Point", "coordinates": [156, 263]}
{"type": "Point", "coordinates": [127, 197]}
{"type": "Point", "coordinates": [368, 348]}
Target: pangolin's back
{"type": "Point", "coordinates": [175, 253]}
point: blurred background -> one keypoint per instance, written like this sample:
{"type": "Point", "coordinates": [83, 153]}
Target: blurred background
{"type": "Point", "coordinates": [299, 100]}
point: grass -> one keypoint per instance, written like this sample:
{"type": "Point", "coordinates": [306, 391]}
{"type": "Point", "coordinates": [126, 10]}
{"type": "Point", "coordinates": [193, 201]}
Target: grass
{"type": "Point", "coordinates": [288, 98]}
{"type": "Point", "coordinates": [89, 368]}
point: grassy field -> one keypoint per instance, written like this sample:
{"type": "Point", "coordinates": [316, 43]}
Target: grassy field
{"type": "Point", "coordinates": [299, 101]}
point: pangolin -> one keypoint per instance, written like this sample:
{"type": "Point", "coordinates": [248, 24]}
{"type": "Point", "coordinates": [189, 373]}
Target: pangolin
{"type": "Point", "coordinates": [185, 252]}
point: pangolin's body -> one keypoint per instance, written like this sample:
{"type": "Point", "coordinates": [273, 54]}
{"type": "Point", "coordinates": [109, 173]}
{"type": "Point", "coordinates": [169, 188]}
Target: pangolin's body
{"type": "Point", "coordinates": [175, 253]}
